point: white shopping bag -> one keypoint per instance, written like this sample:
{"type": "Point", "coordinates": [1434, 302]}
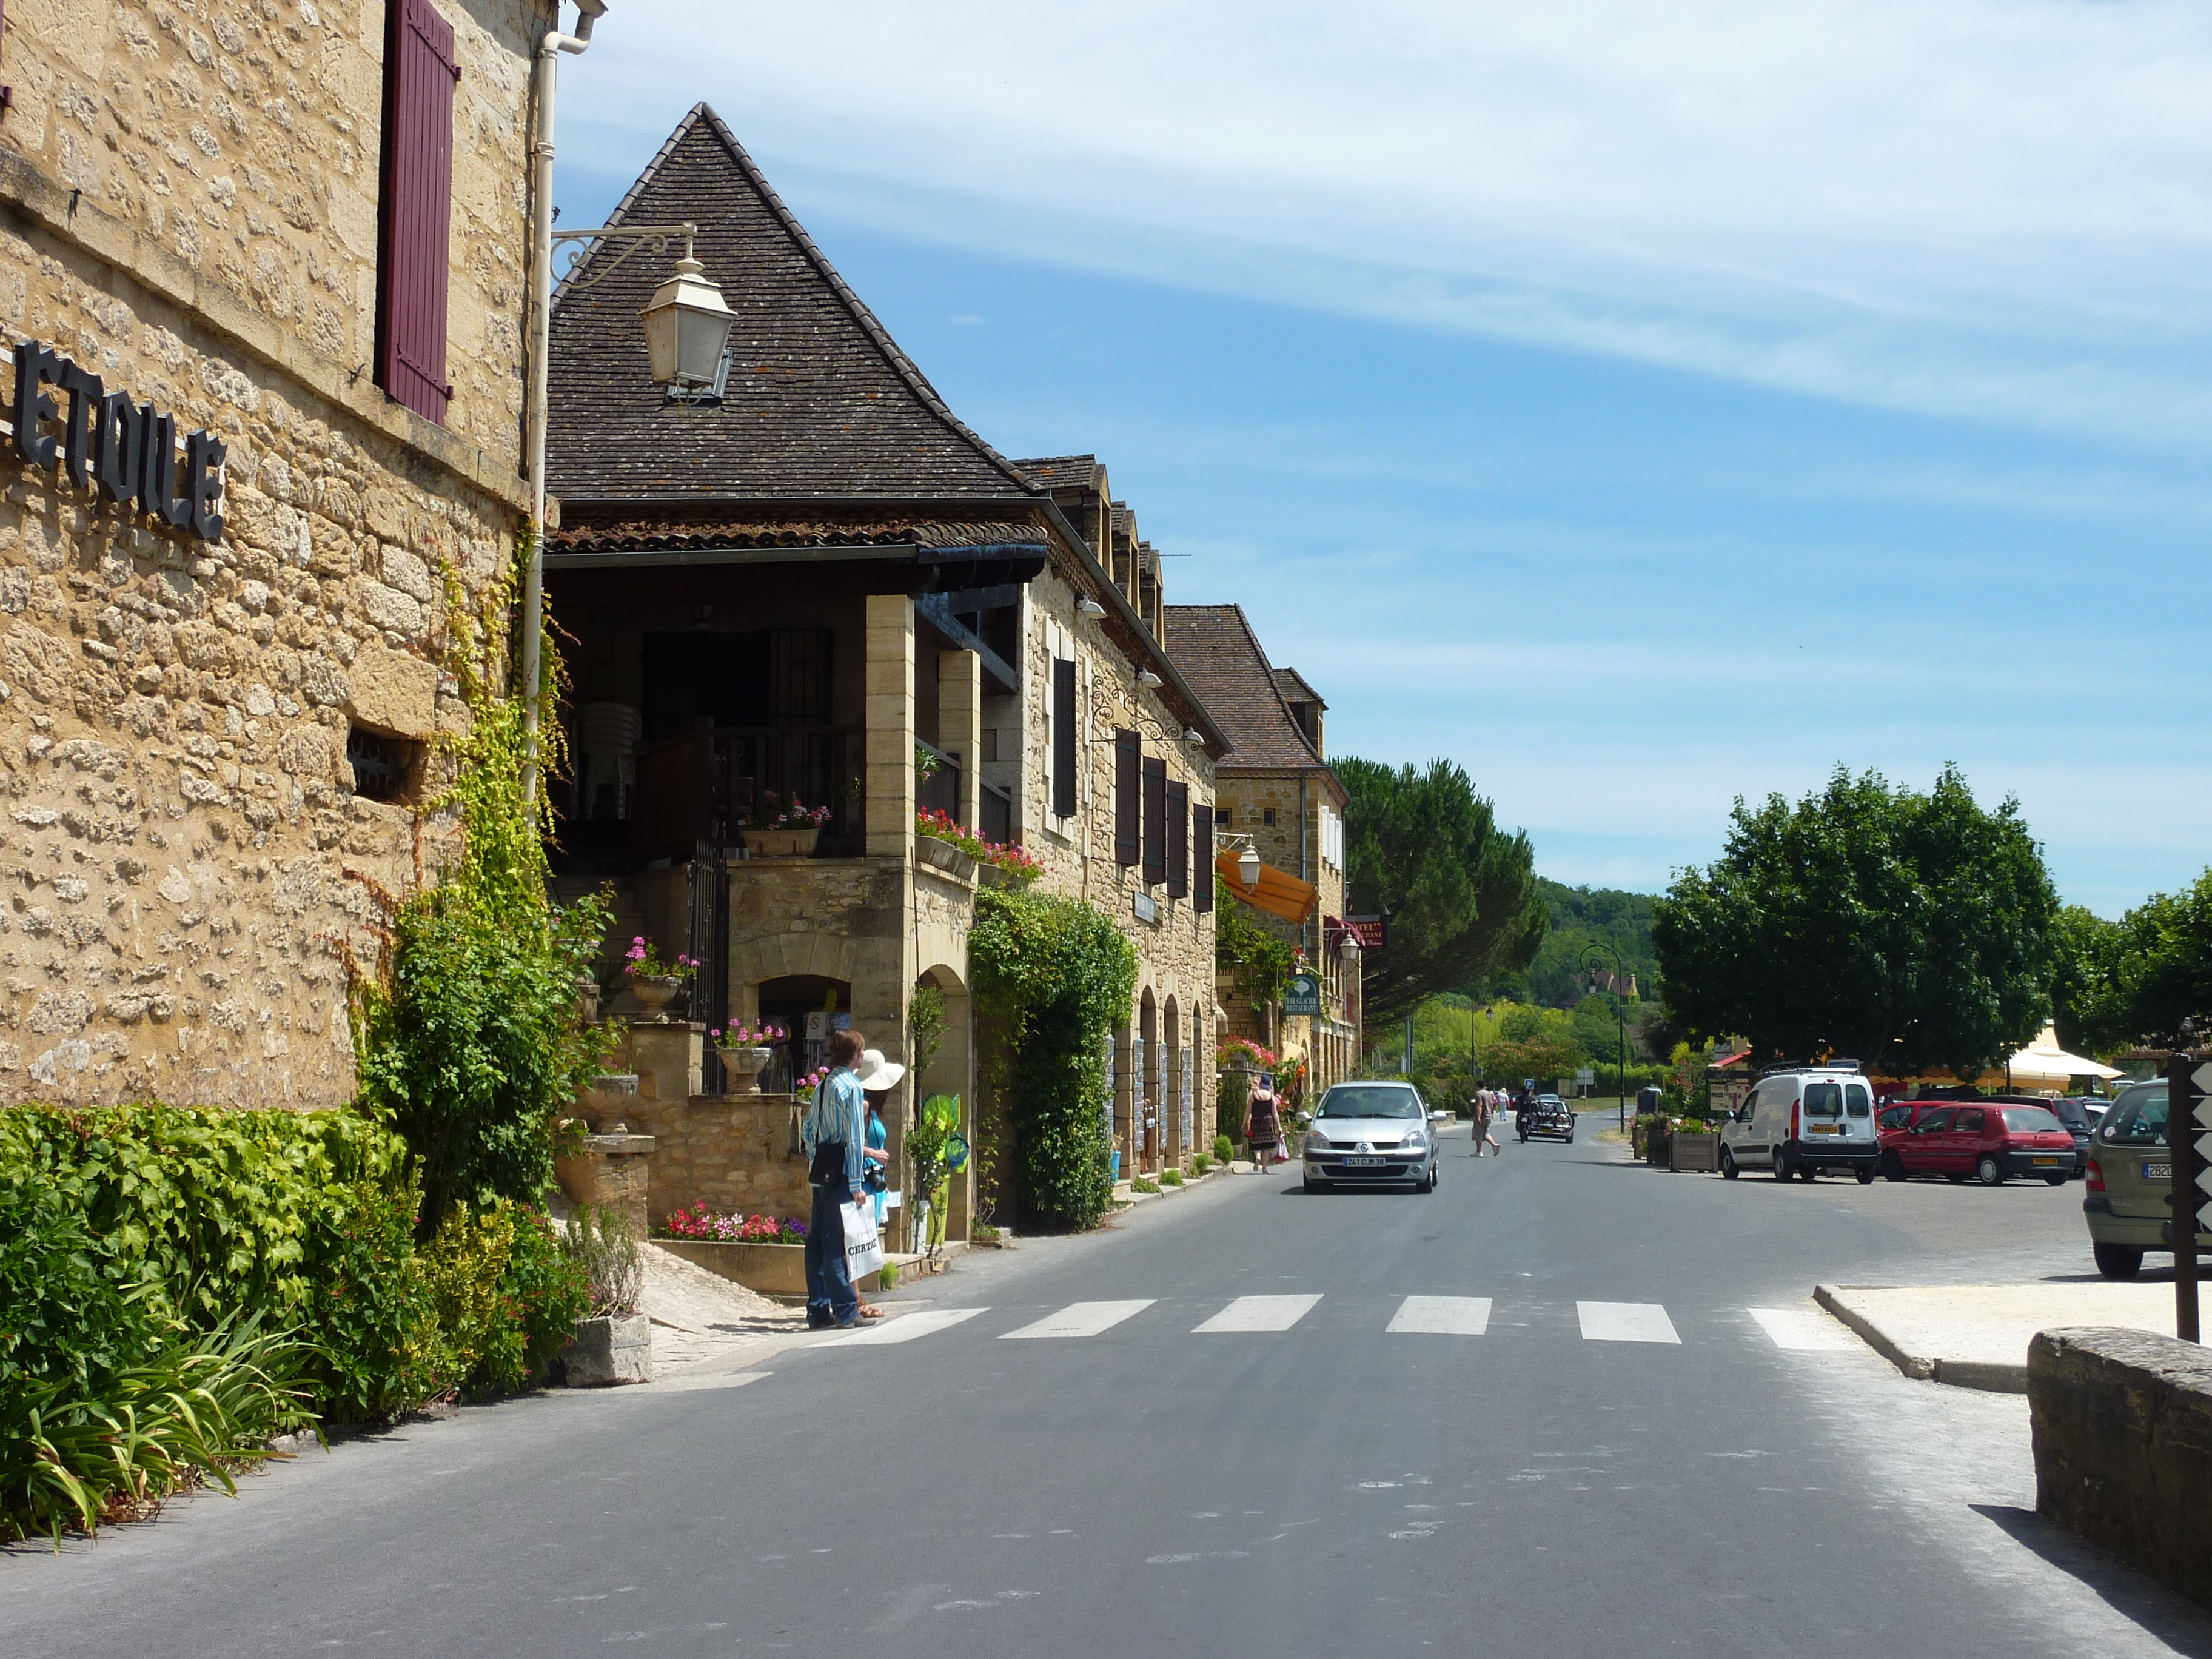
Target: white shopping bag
{"type": "Point", "coordinates": [863, 1244]}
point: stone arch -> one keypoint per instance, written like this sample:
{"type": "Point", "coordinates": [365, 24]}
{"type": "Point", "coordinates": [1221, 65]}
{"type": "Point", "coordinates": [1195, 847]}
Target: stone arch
{"type": "Point", "coordinates": [1144, 1085]}
{"type": "Point", "coordinates": [1174, 1059]}
{"type": "Point", "coordinates": [950, 1071]}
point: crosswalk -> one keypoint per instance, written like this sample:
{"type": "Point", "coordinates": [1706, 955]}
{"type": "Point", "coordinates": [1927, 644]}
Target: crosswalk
{"type": "Point", "coordinates": [1796, 1330]}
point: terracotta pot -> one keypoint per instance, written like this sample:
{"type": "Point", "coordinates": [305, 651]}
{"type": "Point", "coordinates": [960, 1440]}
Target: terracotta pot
{"type": "Point", "coordinates": [654, 992]}
{"type": "Point", "coordinates": [742, 1068]}
{"type": "Point", "coordinates": [782, 843]}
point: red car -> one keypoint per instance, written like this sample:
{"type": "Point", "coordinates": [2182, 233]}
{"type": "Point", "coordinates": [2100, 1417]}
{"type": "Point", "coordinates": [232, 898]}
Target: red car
{"type": "Point", "coordinates": [1989, 1143]}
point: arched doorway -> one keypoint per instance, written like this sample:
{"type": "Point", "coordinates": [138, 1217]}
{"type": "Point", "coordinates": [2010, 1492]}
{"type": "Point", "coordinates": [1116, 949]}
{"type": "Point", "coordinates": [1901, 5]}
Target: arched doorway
{"type": "Point", "coordinates": [809, 1007]}
{"type": "Point", "coordinates": [1174, 1062]}
{"type": "Point", "coordinates": [1147, 1087]}
{"type": "Point", "coordinates": [941, 1033]}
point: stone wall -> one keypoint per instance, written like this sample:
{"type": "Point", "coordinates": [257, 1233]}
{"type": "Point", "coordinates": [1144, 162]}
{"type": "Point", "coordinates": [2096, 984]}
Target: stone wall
{"type": "Point", "coordinates": [2122, 1434]}
{"type": "Point", "coordinates": [730, 1152]}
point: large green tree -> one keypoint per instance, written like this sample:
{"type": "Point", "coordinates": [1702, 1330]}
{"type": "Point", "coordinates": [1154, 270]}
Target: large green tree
{"type": "Point", "coordinates": [1461, 892]}
{"type": "Point", "coordinates": [2134, 981]}
{"type": "Point", "coordinates": [1913, 931]}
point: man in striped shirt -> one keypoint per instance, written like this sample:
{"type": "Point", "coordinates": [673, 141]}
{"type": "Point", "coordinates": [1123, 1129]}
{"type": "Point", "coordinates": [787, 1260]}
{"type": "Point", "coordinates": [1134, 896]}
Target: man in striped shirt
{"type": "Point", "coordinates": [835, 1137]}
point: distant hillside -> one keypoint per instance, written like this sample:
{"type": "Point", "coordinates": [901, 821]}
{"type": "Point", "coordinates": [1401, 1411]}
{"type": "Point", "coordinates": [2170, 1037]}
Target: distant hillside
{"type": "Point", "coordinates": [1583, 917]}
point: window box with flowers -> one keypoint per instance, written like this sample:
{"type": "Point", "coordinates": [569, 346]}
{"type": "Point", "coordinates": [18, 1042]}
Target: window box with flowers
{"type": "Point", "coordinates": [654, 983]}
{"type": "Point", "coordinates": [785, 830]}
{"type": "Point", "coordinates": [945, 844]}
{"type": "Point", "coordinates": [746, 1051]}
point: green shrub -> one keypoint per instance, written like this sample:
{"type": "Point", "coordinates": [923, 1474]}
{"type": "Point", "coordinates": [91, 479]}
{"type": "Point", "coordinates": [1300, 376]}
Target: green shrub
{"type": "Point", "coordinates": [1140, 1185]}
{"type": "Point", "coordinates": [1171, 1177]}
{"type": "Point", "coordinates": [1224, 1149]}
{"type": "Point", "coordinates": [887, 1276]}
{"type": "Point", "coordinates": [1199, 1163]}
{"type": "Point", "coordinates": [603, 1250]}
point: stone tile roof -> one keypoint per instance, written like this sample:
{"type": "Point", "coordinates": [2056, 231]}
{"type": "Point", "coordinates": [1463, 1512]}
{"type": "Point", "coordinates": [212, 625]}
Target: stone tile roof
{"type": "Point", "coordinates": [1062, 471]}
{"type": "Point", "coordinates": [1294, 688]}
{"type": "Point", "coordinates": [657, 536]}
{"type": "Point", "coordinates": [820, 403]}
{"type": "Point", "coordinates": [1218, 654]}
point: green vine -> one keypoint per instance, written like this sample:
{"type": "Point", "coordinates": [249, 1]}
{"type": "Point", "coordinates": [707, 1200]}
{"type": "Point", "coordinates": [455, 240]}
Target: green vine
{"type": "Point", "coordinates": [1260, 964]}
{"type": "Point", "coordinates": [1053, 980]}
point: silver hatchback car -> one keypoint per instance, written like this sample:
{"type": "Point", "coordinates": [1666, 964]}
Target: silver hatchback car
{"type": "Point", "coordinates": [1372, 1132]}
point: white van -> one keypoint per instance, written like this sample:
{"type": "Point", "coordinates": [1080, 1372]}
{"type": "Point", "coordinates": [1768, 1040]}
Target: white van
{"type": "Point", "coordinates": [1802, 1120]}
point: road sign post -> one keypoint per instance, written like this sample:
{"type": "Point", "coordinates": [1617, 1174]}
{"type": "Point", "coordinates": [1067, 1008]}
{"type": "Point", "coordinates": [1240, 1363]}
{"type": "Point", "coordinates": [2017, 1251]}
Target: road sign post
{"type": "Point", "coordinates": [2189, 1141]}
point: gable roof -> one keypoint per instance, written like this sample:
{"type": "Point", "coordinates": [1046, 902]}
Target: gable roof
{"type": "Point", "coordinates": [1219, 655]}
{"type": "Point", "coordinates": [821, 403]}
{"type": "Point", "coordinates": [1294, 688]}
{"type": "Point", "coordinates": [1062, 471]}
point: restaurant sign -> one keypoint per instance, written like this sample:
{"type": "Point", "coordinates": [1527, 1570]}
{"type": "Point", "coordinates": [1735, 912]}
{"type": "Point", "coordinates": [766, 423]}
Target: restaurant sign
{"type": "Point", "coordinates": [107, 441]}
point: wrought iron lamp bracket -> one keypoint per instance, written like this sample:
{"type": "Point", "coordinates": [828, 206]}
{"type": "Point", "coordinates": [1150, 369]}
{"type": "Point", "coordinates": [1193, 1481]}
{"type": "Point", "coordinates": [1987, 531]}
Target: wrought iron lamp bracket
{"type": "Point", "coordinates": [653, 238]}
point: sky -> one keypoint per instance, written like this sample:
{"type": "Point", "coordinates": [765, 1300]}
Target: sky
{"type": "Point", "coordinates": [1641, 406]}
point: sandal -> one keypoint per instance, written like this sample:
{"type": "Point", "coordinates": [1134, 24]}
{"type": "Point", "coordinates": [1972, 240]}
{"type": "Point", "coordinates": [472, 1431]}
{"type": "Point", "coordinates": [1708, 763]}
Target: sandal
{"type": "Point", "coordinates": [867, 1312]}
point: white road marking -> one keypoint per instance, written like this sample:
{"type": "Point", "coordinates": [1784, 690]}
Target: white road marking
{"type": "Point", "coordinates": [1080, 1319]}
{"type": "Point", "coordinates": [1626, 1321]}
{"type": "Point", "coordinates": [1803, 1330]}
{"type": "Point", "coordinates": [1260, 1313]}
{"type": "Point", "coordinates": [905, 1327]}
{"type": "Point", "coordinates": [1442, 1316]}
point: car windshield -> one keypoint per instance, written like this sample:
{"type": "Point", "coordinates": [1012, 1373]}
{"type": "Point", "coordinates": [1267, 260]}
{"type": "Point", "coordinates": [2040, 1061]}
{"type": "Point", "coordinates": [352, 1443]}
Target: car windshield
{"type": "Point", "coordinates": [2138, 1121]}
{"type": "Point", "coordinates": [1824, 1100]}
{"type": "Point", "coordinates": [2031, 1119]}
{"type": "Point", "coordinates": [1342, 1101]}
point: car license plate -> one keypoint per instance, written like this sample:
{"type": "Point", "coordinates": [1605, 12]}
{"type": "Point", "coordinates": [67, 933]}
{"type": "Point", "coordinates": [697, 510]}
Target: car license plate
{"type": "Point", "coordinates": [2158, 1172]}
{"type": "Point", "coordinates": [1363, 1163]}
{"type": "Point", "coordinates": [2046, 1160]}
{"type": "Point", "coordinates": [1824, 1128]}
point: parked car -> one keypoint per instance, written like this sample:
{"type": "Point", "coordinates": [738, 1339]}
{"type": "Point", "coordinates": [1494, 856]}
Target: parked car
{"type": "Point", "coordinates": [2080, 1124]}
{"type": "Point", "coordinates": [1547, 1115]}
{"type": "Point", "coordinates": [1802, 1120]}
{"type": "Point", "coordinates": [1990, 1142]}
{"type": "Point", "coordinates": [2130, 1179]}
{"type": "Point", "coordinates": [1372, 1132]}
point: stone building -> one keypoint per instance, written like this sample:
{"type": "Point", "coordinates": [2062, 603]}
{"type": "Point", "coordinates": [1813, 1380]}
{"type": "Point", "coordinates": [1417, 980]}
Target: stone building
{"type": "Point", "coordinates": [1277, 791]}
{"type": "Point", "coordinates": [813, 588]}
{"type": "Point", "coordinates": [263, 268]}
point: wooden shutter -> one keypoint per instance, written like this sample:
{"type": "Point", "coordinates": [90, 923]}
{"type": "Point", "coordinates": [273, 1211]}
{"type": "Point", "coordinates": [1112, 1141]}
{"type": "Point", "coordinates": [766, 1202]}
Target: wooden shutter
{"type": "Point", "coordinates": [1064, 750]}
{"type": "Point", "coordinates": [416, 216]}
{"type": "Point", "coordinates": [1178, 840]}
{"type": "Point", "coordinates": [1156, 822]}
{"type": "Point", "coordinates": [1201, 852]}
{"type": "Point", "coordinates": [1127, 765]}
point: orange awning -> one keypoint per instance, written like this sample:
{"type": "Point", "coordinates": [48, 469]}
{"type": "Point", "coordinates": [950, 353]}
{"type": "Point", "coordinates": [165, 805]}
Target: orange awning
{"type": "Point", "coordinates": [1279, 893]}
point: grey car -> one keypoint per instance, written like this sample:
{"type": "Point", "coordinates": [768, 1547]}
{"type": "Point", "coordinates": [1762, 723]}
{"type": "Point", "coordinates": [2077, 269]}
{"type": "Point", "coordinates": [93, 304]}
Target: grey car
{"type": "Point", "coordinates": [1368, 1133]}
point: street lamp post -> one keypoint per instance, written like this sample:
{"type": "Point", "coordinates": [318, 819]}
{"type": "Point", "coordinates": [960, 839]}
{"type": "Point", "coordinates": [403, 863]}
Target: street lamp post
{"type": "Point", "coordinates": [1620, 1010]}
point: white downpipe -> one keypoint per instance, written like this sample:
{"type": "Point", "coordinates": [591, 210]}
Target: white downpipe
{"type": "Point", "coordinates": [543, 75]}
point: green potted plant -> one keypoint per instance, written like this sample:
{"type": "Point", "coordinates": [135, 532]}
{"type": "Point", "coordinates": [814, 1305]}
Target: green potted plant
{"type": "Point", "coordinates": [613, 1342]}
{"type": "Point", "coordinates": [654, 983]}
{"type": "Point", "coordinates": [746, 1051]}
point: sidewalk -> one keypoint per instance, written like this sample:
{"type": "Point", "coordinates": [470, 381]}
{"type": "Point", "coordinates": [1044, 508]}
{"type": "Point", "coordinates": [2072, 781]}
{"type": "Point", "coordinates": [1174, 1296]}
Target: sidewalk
{"type": "Point", "coordinates": [1976, 1336]}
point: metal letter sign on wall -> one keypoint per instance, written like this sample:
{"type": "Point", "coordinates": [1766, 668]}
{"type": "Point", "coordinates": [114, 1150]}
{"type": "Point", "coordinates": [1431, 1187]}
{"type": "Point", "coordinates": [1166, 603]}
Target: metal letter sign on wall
{"type": "Point", "coordinates": [126, 450]}
{"type": "Point", "coordinates": [1302, 996]}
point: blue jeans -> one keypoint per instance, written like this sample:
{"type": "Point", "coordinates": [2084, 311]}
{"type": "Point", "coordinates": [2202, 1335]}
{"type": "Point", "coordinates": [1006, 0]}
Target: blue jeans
{"type": "Point", "coordinates": [830, 1298]}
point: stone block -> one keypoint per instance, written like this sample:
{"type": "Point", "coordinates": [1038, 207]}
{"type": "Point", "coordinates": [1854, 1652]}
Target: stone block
{"type": "Point", "coordinates": [393, 691]}
{"type": "Point", "coordinates": [607, 1352]}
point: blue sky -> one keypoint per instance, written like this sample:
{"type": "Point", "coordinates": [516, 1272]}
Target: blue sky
{"type": "Point", "coordinates": [1641, 411]}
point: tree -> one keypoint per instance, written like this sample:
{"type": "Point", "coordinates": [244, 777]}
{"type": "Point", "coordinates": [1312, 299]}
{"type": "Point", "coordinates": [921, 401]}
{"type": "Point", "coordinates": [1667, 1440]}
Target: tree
{"type": "Point", "coordinates": [1912, 931]}
{"type": "Point", "coordinates": [2133, 982]}
{"type": "Point", "coordinates": [1461, 892]}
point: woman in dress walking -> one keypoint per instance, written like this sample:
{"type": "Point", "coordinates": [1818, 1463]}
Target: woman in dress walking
{"type": "Point", "coordinates": [1263, 1127]}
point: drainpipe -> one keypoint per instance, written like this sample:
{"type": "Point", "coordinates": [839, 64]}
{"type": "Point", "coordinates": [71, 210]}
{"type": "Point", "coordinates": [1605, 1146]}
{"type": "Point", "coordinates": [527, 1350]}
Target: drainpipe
{"type": "Point", "coordinates": [543, 75]}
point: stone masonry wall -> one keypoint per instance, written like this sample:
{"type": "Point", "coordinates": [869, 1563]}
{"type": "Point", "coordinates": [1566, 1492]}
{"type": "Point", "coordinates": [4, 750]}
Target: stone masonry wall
{"type": "Point", "coordinates": [729, 1151]}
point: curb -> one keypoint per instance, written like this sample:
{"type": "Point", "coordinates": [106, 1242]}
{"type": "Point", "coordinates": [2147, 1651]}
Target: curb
{"type": "Point", "coordinates": [1990, 1377]}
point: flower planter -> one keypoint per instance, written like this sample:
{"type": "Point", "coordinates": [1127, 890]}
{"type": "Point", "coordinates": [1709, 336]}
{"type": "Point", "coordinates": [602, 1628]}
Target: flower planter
{"type": "Point", "coordinates": [992, 875]}
{"type": "Point", "coordinates": [1695, 1154]}
{"type": "Point", "coordinates": [605, 1352]}
{"type": "Point", "coordinates": [607, 1102]}
{"type": "Point", "coordinates": [654, 992]}
{"type": "Point", "coordinates": [945, 856]}
{"type": "Point", "coordinates": [782, 843]}
{"type": "Point", "coordinates": [771, 1269]}
{"type": "Point", "coordinates": [742, 1068]}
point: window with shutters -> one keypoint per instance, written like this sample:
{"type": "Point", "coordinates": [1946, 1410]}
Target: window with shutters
{"type": "Point", "coordinates": [1178, 826]}
{"type": "Point", "coordinates": [1156, 822]}
{"type": "Point", "coordinates": [1128, 770]}
{"type": "Point", "coordinates": [1064, 746]}
{"type": "Point", "coordinates": [1201, 849]}
{"type": "Point", "coordinates": [415, 211]}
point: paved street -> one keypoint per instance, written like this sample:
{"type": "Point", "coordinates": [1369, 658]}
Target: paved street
{"type": "Point", "coordinates": [1564, 1405]}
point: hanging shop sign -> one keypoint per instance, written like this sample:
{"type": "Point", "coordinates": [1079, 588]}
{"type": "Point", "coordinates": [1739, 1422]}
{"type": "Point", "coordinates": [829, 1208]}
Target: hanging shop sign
{"type": "Point", "coordinates": [1302, 995]}
{"type": "Point", "coordinates": [108, 441]}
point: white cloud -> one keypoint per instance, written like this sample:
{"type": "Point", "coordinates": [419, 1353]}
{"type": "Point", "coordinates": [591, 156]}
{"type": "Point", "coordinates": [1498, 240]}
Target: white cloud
{"type": "Point", "coordinates": [1968, 207]}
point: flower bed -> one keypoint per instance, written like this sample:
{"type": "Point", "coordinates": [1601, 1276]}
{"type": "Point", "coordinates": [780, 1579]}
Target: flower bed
{"type": "Point", "coordinates": [701, 1223]}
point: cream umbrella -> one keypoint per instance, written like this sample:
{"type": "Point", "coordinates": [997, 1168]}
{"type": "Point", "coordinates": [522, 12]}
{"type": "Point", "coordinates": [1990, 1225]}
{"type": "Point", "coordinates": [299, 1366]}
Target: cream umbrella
{"type": "Point", "coordinates": [2044, 1065]}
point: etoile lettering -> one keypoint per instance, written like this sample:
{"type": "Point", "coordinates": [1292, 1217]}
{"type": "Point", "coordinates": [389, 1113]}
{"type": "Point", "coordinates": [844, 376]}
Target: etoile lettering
{"type": "Point", "coordinates": [124, 449]}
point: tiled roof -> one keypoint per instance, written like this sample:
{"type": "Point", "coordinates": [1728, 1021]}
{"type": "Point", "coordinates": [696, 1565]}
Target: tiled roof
{"type": "Point", "coordinates": [657, 536]}
{"type": "Point", "coordinates": [1218, 654]}
{"type": "Point", "coordinates": [820, 403]}
{"type": "Point", "coordinates": [1292, 684]}
{"type": "Point", "coordinates": [1061, 472]}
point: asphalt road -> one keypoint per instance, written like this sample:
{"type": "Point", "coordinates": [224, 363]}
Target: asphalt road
{"type": "Point", "coordinates": [1333, 1487]}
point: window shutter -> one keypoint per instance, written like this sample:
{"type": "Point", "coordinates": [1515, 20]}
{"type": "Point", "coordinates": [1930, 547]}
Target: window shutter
{"type": "Point", "coordinates": [1156, 822]}
{"type": "Point", "coordinates": [1126, 767]}
{"type": "Point", "coordinates": [1201, 851]}
{"type": "Point", "coordinates": [418, 207]}
{"type": "Point", "coordinates": [1178, 817]}
{"type": "Point", "coordinates": [1064, 749]}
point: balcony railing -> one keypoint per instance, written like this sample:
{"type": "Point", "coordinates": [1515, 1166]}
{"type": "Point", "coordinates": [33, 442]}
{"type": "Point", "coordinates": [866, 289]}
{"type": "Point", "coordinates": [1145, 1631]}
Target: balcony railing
{"type": "Point", "coordinates": [697, 788]}
{"type": "Point", "coordinates": [940, 791]}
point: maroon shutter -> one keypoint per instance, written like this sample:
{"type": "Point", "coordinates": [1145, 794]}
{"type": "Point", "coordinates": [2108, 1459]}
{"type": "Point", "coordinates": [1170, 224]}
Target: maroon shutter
{"type": "Point", "coordinates": [418, 208]}
{"type": "Point", "coordinates": [1201, 852]}
{"type": "Point", "coordinates": [1127, 765]}
{"type": "Point", "coordinates": [1064, 744]}
{"type": "Point", "coordinates": [1156, 822]}
{"type": "Point", "coordinates": [1178, 840]}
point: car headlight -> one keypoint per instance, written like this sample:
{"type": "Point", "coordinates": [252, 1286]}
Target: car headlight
{"type": "Point", "coordinates": [1316, 1142]}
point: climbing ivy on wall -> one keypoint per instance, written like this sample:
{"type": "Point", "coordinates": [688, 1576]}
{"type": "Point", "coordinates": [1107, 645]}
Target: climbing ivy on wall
{"type": "Point", "coordinates": [1260, 961]}
{"type": "Point", "coordinates": [1053, 980]}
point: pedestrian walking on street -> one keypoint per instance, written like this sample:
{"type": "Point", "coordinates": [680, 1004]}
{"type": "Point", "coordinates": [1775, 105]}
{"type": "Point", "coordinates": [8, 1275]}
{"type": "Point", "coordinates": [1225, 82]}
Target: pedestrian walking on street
{"type": "Point", "coordinates": [835, 1135]}
{"type": "Point", "coordinates": [1263, 1127]}
{"type": "Point", "coordinates": [877, 1077]}
{"type": "Point", "coordinates": [1486, 1112]}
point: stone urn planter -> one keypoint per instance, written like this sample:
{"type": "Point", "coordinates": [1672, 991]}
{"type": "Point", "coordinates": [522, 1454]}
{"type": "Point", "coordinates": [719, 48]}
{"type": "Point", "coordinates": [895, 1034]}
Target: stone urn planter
{"type": "Point", "coordinates": [617, 1348]}
{"type": "Point", "coordinates": [654, 992]}
{"type": "Point", "coordinates": [742, 1068]}
{"type": "Point", "coordinates": [942, 855]}
{"type": "Point", "coordinates": [607, 1102]}
{"type": "Point", "coordinates": [782, 843]}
